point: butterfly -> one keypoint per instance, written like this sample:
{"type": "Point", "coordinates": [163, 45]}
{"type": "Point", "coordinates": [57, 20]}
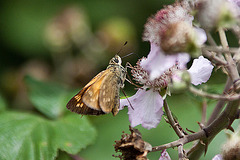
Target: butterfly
{"type": "Point", "coordinates": [101, 94]}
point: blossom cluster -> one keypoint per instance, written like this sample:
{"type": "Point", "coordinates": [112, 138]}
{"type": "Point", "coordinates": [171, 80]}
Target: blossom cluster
{"type": "Point", "coordinates": [174, 40]}
{"type": "Point", "coordinates": [160, 68]}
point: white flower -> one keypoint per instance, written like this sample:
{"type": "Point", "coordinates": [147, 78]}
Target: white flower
{"type": "Point", "coordinates": [147, 103]}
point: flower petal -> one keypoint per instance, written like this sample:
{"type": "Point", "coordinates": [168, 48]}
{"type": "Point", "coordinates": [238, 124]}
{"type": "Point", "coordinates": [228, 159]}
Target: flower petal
{"type": "Point", "coordinates": [200, 70]}
{"type": "Point", "coordinates": [217, 157]}
{"type": "Point", "coordinates": [183, 59]}
{"type": "Point", "coordinates": [147, 108]}
{"type": "Point", "coordinates": [157, 62]}
{"type": "Point", "coordinates": [201, 36]}
{"type": "Point", "coordinates": [165, 155]}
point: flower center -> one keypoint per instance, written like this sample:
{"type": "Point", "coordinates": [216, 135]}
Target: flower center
{"type": "Point", "coordinates": [141, 76]}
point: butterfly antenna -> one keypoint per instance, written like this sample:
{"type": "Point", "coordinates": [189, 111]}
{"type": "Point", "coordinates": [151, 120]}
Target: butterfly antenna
{"type": "Point", "coordinates": [122, 47]}
{"type": "Point", "coordinates": [128, 55]}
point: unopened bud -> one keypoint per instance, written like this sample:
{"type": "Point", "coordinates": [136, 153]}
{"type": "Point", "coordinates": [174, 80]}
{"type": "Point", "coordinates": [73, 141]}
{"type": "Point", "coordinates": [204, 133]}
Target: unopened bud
{"type": "Point", "coordinates": [213, 14]}
{"type": "Point", "coordinates": [180, 81]}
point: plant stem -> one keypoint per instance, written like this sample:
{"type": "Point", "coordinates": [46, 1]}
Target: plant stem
{"type": "Point", "coordinates": [228, 115]}
{"type": "Point", "coordinates": [188, 138]}
{"type": "Point", "coordinates": [180, 152]}
{"type": "Point", "coordinates": [214, 96]}
{"type": "Point", "coordinates": [219, 106]}
{"type": "Point", "coordinates": [204, 112]}
{"type": "Point", "coordinates": [222, 122]}
{"type": "Point", "coordinates": [210, 39]}
{"type": "Point", "coordinates": [171, 120]}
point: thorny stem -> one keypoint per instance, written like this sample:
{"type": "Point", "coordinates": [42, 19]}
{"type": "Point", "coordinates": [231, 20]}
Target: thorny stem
{"type": "Point", "coordinates": [225, 119]}
{"type": "Point", "coordinates": [204, 112]}
{"type": "Point", "coordinates": [215, 59]}
{"type": "Point", "coordinates": [228, 115]}
{"type": "Point", "coordinates": [219, 49]}
{"type": "Point", "coordinates": [214, 96]}
{"type": "Point", "coordinates": [171, 120]}
{"type": "Point", "coordinates": [180, 152]}
{"type": "Point", "coordinates": [222, 122]}
{"type": "Point", "coordinates": [219, 106]}
{"type": "Point", "coordinates": [232, 68]}
{"type": "Point", "coordinates": [188, 138]}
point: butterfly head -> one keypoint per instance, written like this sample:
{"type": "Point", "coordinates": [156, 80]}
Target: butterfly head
{"type": "Point", "coordinates": [116, 60]}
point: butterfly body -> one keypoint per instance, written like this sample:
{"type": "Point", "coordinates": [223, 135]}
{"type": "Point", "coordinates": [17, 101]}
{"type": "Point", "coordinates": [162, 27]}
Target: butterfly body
{"type": "Point", "coordinates": [101, 94]}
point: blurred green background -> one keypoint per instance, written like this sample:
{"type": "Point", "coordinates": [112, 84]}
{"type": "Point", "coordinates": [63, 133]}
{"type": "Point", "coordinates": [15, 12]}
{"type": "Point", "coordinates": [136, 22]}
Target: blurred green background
{"type": "Point", "coordinates": [67, 42]}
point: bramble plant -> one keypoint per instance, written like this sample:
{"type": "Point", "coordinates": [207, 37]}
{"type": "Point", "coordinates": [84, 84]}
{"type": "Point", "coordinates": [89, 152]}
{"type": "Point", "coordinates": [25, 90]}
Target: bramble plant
{"type": "Point", "coordinates": [176, 36]}
{"type": "Point", "coordinates": [189, 41]}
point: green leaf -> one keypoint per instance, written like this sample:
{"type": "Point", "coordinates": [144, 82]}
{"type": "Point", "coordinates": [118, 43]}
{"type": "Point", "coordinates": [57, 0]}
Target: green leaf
{"type": "Point", "coordinates": [27, 136]}
{"type": "Point", "coordinates": [48, 97]}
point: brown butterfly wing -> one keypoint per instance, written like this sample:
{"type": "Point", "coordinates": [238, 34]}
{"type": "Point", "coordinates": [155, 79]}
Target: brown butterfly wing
{"type": "Point", "coordinates": [101, 94]}
{"type": "Point", "coordinates": [109, 93]}
{"type": "Point", "coordinates": [91, 95]}
{"type": "Point", "coordinates": [82, 108]}
{"type": "Point", "coordinates": [77, 105]}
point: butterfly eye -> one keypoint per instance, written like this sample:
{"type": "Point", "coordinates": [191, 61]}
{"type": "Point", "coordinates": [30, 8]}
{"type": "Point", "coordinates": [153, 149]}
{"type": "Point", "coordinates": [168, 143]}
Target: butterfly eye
{"type": "Point", "coordinates": [116, 60]}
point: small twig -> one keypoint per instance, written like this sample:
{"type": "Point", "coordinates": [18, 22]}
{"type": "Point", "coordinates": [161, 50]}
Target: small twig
{"type": "Point", "coordinates": [190, 130]}
{"type": "Point", "coordinates": [211, 40]}
{"type": "Point", "coordinates": [223, 38]}
{"type": "Point", "coordinates": [231, 67]}
{"type": "Point", "coordinates": [204, 111]}
{"type": "Point", "coordinates": [167, 121]}
{"type": "Point", "coordinates": [215, 59]}
{"type": "Point", "coordinates": [219, 49]}
{"type": "Point", "coordinates": [171, 120]}
{"type": "Point", "coordinates": [214, 96]}
{"type": "Point", "coordinates": [219, 106]}
{"type": "Point", "coordinates": [180, 152]}
{"type": "Point", "coordinates": [188, 138]}
{"type": "Point", "coordinates": [201, 125]}
{"type": "Point", "coordinates": [179, 127]}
